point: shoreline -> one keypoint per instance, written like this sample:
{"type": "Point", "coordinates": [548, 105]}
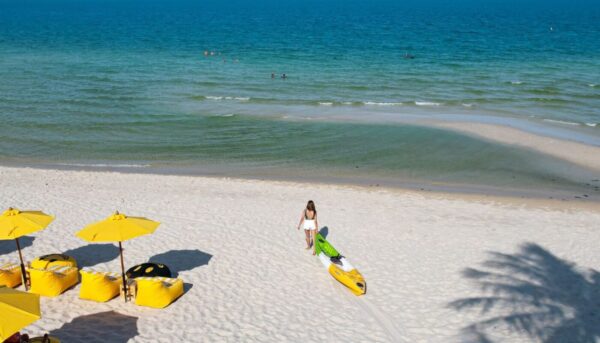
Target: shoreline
{"type": "Point", "coordinates": [511, 132]}
{"type": "Point", "coordinates": [455, 192]}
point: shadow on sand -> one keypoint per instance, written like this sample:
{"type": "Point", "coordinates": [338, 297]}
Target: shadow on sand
{"type": "Point", "coordinates": [324, 231]}
{"type": "Point", "coordinates": [187, 287]}
{"type": "Point", "coordinates": [182, 260]}
{"type": "Point", "coordinates": [107, 326]}
{"type": "Point", "coordinates": [534, 293]}
{"type": "Point", "coordinates": [9, 246]}
{"type": "Point", "coordinates": [93, 254]}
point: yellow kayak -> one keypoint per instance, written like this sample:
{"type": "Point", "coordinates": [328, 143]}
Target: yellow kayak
{"type": "Point", "coordinates": [339, 267]}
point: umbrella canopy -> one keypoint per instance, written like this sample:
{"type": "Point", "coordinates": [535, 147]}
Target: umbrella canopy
{"type": "Point", "coordinates": [15, 223]}
{"type": "Point", "coordinates": [18, 309]}
{"type": "Point", "coordinates": [118, 228]}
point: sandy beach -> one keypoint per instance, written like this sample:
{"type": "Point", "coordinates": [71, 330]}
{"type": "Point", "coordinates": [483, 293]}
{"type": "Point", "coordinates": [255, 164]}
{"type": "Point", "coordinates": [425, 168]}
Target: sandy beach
{"type": "Point", "coordinates": [452, 150]}
{"type": "Point", "coordinates": [428, 260]}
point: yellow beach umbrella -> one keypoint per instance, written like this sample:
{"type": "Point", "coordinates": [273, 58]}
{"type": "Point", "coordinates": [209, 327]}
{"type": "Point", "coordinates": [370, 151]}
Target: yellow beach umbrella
{"type": "Point", "coordinates": [18, 309]}
{"type": "Point", "coordinates": [118, 228]}
{"type": "Point", "coordinates": [15, 223]}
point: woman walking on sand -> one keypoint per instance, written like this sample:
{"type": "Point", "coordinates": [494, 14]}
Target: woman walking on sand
{"type": "Point", "coordinates": [309, 222]}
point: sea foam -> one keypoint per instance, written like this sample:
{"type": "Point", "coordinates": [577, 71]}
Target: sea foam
{"type": "Point", "coordinates": [561, 122]}
{"type": "Point", "coordinates": [373, 103]}
{"type": "Point", "coordinates": [427, 103]}
{"type": "Point", "coordinates": [104, 165]}
{"type": "Point", "coordinates": [238, 98]}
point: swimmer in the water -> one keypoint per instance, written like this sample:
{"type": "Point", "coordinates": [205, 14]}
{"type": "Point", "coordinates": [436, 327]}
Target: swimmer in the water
{"type": "Point", "coordinates": [283, 76]}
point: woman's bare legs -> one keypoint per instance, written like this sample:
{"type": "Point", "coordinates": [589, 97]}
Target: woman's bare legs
{"type": "Point", "coordinates": [308, 241]}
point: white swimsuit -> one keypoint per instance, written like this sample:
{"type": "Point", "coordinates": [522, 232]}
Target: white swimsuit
{"type": "Point", "coordinates": [309, 224]}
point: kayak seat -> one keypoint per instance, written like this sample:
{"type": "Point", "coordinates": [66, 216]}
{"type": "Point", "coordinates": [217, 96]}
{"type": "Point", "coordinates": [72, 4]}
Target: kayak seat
{"type": "Point", "coordinates": [337, 259]}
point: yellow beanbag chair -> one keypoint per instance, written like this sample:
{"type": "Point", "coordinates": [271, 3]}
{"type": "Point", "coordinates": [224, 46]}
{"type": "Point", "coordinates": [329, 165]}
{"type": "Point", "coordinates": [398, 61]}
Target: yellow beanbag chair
{"type": "Point", "coordinates": [52, 281]}
{"type": "Point", "coordinates": [10, 275]}
{"type": "Point", "coordinates": [99, 286]}
{"type": "Point", "coordinates": [157, 292]}
{"type": "Point", "coordinates": [47, 261]}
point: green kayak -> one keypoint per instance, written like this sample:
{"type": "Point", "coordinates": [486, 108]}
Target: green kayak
{"type": "Point", "coordinates": [321, 245]}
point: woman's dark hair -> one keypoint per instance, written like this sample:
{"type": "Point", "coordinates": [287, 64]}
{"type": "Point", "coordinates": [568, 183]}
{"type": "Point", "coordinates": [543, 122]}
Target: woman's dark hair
{"type": "Point", "coordinates": [311, 206]}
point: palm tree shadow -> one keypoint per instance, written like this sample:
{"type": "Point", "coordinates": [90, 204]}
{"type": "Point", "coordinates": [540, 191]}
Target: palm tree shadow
{"type": "Point", "coordinates": [107, 326]}
{"type": "Point", "coordinates": [8, 246]}
{"type": "Point", "coordinates": [181, 260]}
{"type": "Point", "coordinates": [535, 293]}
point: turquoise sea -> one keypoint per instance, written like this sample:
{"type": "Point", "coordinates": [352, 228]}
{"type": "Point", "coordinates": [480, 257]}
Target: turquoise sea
{"type": "Point", "coordinates": [187, 87]}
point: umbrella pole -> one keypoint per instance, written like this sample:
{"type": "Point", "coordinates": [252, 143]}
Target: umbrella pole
{"type": "Point", "coordinates": [123, 271]}
{"type": "Point", "coordinates": [23, 271]}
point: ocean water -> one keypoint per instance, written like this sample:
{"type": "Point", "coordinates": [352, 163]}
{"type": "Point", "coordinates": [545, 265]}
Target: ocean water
{"type": "Point", "coordinates": [188, 85]}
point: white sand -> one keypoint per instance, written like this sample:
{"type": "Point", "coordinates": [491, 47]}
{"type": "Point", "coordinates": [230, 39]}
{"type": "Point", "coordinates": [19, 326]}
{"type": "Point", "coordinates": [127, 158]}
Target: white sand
{"type": "Point", "coordinates": [260, 285]}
